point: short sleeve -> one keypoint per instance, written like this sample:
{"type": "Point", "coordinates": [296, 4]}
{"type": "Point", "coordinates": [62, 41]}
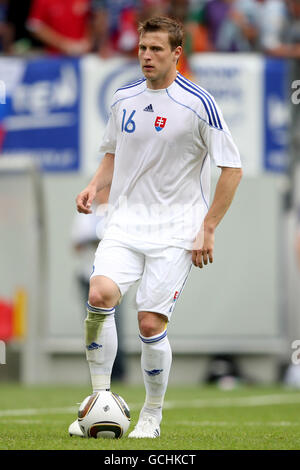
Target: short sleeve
{"type": "Point", "coordinates": [218, 140]}
{"type": "Point", "coordinates": [109, 141]}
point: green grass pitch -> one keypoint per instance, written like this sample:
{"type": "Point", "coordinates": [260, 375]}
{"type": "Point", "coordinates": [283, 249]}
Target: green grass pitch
{"type": "Point", "coordinates": [195, 418]}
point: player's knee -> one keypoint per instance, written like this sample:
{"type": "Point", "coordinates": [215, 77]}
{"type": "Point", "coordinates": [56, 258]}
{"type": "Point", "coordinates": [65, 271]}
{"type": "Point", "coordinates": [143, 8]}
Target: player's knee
{"type": "Point", "coordinates": [100, 298]}
{"type": "Point", "coordinates": [151, 325]}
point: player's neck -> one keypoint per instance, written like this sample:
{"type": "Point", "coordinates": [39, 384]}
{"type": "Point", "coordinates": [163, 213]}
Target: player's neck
{"type": "Point", "coordinates": [162, 83]}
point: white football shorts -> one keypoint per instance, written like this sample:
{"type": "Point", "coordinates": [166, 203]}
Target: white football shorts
{"type": "Point", "coordinates": [162, 272]}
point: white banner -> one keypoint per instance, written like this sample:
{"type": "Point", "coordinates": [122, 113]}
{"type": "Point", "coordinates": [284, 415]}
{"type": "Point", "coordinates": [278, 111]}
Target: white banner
{"type": "Point", "coordinates": [236, 82]}
{"type": "Point", "coordinates": [101, 78]}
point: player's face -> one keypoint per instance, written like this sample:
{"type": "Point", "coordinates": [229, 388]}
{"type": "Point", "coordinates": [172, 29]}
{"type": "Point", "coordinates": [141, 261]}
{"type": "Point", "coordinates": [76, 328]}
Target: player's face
{"type": "Point", "coordinates": [157, 60]}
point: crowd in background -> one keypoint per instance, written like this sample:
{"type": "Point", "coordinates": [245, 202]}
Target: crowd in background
{"type": "Point", "coordinates": [109, 27]}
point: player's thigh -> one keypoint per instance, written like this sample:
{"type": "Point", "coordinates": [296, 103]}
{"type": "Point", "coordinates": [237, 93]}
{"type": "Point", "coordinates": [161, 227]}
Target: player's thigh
{"type": "Point", "coordinates": [116, 267]}
{"type": "Point", "coordinates": [165, 274]}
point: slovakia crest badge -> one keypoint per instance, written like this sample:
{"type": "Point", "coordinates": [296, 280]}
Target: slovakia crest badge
{"type": "Point", "coordinates": [160, 123]}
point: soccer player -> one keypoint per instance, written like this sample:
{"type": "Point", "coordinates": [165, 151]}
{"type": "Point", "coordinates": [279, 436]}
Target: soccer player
{"type": "Point", "coordinates": [161, 133]}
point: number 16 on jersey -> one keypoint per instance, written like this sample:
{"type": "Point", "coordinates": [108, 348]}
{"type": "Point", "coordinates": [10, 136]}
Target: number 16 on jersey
{"type": "Point", "coordinates": [129, 124]}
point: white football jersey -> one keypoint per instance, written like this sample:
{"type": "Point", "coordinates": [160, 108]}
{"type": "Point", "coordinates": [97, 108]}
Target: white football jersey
{"type": "Point", "coordinates": [163, 141]}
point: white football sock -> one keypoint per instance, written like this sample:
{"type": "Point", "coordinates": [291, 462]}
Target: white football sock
{"type": "Point", "coordinates": [156, 362]}
{"type": "Point", "coordinates": [101, 345]}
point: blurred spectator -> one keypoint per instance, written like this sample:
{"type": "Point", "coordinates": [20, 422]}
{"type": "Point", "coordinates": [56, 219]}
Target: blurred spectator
{"type": "Point", "coordinates": [3, 7]}
{"type": "Point", "coordinates": [196, 37]}
{"type": "Point", "coordinates": [61, 25]}
{"type": "Point", "coordinates": [16, 38]}
{"type": "Point", "coordinates": [148, 8]}
{"type": "Point", "coordinates": [115, 23]}
{"type": "Point", "coordinates": [115, 27]}
{"type": "Point", "coordinates": [279, 23]}
{"type": "Point", "coordinates": [179, 9]}
{"type": "Point", "coordinates": [231, 24]}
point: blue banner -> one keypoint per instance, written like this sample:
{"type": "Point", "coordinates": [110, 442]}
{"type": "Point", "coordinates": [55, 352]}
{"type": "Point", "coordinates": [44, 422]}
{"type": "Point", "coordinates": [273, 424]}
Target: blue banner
{"type": "Point", "coordinates": [276, 115]}
{"type": "Point", "coordinates": [41, 117]}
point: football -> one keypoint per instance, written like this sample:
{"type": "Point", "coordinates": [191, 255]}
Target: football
{"type": "Point", "coordinates": [104, 414]}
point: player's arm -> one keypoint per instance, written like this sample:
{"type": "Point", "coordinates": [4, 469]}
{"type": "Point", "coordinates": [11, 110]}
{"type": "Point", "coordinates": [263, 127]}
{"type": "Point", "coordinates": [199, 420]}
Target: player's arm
{"type": "Point", "coordinates": [285, 51]}
{"type": "Point", "coordinates": [224, 194]}
{"type": "Point", "coordinates": [37, 24]}
{"type": "Point", "coordinates": [101, 179]}
{"type": "Point", "coordinates": [50, 37]}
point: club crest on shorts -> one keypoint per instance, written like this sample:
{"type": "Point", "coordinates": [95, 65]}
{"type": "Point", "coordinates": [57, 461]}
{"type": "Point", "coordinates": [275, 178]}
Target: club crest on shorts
{"type": "Point", "coordinates": [160, 123]}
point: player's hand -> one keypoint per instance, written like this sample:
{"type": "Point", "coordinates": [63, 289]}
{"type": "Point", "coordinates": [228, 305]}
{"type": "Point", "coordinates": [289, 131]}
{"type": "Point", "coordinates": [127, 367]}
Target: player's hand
{"type": "Point", "coordinates": [203, 248]}
{"type": "Point", "coordinates": [84, 200]}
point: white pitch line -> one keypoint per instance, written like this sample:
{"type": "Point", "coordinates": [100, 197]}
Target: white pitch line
{"type": "Point", "coordinates": [38, 411]}
{"type": "Point", "coordinates": [24, 421]}
{"type": "Point", "coordinates": [235, 423]}
{"type": "Point", "coordinates": [252, 401]}
{"type": "Point", "coordinates": [258, 400]}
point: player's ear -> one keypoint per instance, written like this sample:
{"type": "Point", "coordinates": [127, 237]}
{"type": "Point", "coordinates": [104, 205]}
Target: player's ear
{"type": "Point", "coordinates": [177, 53]}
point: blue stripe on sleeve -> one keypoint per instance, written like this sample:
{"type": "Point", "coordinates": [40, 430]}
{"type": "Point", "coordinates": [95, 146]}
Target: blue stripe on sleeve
{"type": "Point", "coordinates": [131, 85]}
{"type": "Point", "coordinates": [203, 95]}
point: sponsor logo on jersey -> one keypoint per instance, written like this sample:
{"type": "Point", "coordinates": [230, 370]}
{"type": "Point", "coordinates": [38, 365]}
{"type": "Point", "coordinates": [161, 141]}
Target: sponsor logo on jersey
{"type": "Point", "coordinates": [149, 108]}
{"type": "Point", "coordinates": [160, 123]}
{"type": "Point", "coordinates": [93, 346]}
{"type": "Point", "coordinates": [153, 372]}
